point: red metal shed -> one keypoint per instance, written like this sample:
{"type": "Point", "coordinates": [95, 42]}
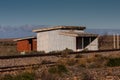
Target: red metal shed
{"type": "Point", "coordinates": [27, 44]}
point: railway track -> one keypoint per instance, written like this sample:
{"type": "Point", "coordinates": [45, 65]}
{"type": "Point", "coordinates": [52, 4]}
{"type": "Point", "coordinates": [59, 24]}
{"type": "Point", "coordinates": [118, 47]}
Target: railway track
{"type": "Point", "coordinates": [55, 54]}
{"type": "Point", "coordinates": [23, 67]}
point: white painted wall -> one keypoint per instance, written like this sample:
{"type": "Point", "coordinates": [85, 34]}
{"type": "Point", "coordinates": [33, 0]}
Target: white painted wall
{"type": "Point", "coordinates": [53, 41]}
{"type": "Point", "coordinates": [42, 41]}
{"type": "Point", "coordinates": [60, 42]}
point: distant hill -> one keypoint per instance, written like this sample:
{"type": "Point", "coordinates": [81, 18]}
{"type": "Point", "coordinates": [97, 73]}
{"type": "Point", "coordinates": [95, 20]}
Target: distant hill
{"type": "Point", "coordinates": [17, 32]}
{"type": "Point", "coordinates": [104, 31]}
{"type": "Point", "coordinates": [26, 30]}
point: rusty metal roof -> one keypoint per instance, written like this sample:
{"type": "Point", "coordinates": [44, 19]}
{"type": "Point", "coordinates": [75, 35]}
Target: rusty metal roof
{"type": "Point", "coordinates": [78, 34]}
{"type": "Point", "coordinates": [60, 27]}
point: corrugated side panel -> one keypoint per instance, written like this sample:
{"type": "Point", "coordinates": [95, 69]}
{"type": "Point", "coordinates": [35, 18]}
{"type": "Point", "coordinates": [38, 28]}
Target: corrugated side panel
{"type": "Point", "coordinates": [60, 42]}
{"type": "Point", "coordinates": [42, 41]}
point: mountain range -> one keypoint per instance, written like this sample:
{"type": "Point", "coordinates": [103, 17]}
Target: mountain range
{"type": "Point", "coordinates": [18, 32]}
{"type": "Point", "coordinates": [26, 30]}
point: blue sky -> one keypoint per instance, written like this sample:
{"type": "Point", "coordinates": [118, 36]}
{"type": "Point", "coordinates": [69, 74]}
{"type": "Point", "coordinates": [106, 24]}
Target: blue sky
{"type": "Point", "coordinates": [89, 13]}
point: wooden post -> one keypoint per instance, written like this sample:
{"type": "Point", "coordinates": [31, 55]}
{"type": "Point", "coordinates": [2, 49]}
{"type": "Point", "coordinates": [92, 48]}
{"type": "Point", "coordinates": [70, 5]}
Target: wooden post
{"type": "Point", "coordinates": [90, 39]}
{"type": "Point", "coordinates": [82, 42]}
{"type": "Point", "coordinates": [114, 46]}
{"type": "Point", "coordinates": [117, 41]}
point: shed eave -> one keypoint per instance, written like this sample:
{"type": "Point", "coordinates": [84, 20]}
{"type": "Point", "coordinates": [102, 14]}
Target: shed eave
{"type": "Point", "coordinates": [78, 34]}
{"type": "Point", "coordinates": [19, 39]}
{"type": "Point", "coordinates": [60, 27]}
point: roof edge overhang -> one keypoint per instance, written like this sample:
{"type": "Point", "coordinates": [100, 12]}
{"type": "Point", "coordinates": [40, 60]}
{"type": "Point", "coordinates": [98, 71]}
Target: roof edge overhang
{"type": "Point", "coordinates": [78, 34]}
{"type": "Point", "coordinates": [60, 28]}
{"type": "Point", "coordinates": [19, 39]}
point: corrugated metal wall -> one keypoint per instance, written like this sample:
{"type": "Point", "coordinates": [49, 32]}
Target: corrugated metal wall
{"type": "Point", "coordinates": [61, 42]}
{"type": "Point", "coordinates": [42, 41]}
{"type": "Point", "coordinates": [52, 41]}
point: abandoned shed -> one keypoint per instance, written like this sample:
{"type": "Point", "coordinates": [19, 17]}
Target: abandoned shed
{"type": "Point", "coordinates": [61, 37]}
{"type": "Point", "coordinates": [27, 44]}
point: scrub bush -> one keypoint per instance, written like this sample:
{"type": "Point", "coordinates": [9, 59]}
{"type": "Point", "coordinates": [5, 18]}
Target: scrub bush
{"type": "Point", "coordinates": [112, 62]}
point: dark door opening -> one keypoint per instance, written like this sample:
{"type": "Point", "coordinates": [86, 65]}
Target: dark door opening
{"type": "Point", "coordinates": [86, 41]}
{"type": "Point", "coordinates": [78, 43]}
{"type": "Point", "coordinates": [30, 44]}
{"type": "Point", "coordinates": [82, 42]}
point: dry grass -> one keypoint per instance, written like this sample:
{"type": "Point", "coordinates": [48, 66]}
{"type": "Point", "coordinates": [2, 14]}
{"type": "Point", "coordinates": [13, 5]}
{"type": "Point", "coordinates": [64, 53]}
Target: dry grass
{"type": "Point", "coordinates": [95, 61]}
{"type": "Point", "coordinates": [7, 50]}
{"type": "Point", "coordinates": [7, 47]}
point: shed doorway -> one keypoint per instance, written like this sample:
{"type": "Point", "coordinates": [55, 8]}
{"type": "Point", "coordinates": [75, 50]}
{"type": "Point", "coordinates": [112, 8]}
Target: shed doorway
{"type": "Point", "coordinates": [83, 42]}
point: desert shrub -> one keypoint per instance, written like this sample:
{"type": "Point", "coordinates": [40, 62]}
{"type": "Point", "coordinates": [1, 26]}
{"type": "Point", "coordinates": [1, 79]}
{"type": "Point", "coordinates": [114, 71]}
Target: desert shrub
{"type": "Point", "coordinates": [65, 52]}
{"type": "Point", "coordinates": [113, 62]}
{"type": "Point", "coordinates": [71, 61]}
{"type": "Point", "coordinates": [35, 67]}
{"type": "Point", "coordinates": [7, 77]}
{"type": "Point", "coordinates": [41, 52]}
{"type": "Point", "coordinates": [79, 56]}
{"type": "Point", "coordinates": [98, 55]}
{"type": "Point", "coordinates": [62, 61]}
{"type": "Point", "coordinates": [82, 62]}
{"type": "Point", "coordinates": [36, 52]}
{"type": "Point", "coordinates": [91, 62]}
{"type": "Point", "coordinates": [68, 61]}
{"type": "Point", "coordinates": [54, 52]}
{"type": "Point", "coordinates": [87, 76]}
{"type": "Point", "coordinates": [25, 76]}
{"type": "Point", "coordinates": [62, 69]}
{"type": "Point", "coordinates": [95, 65]}
{"type": "Point", "coordinates": [52, 70]}
{"type": "Point", "coordinates": [45, 62]}
{"type": "Point", "coordinates": [58, 69]}
{"type": "Point", "coordinates": [46, 75]}
{"type": "Point", "coordinates": [22, 76]}
{"type": "Point", "coordinates": [82, 65]}
{"type": "Point", "coordinates": [96, 62]}
{"type": "Point", "coordinates": [119, 76]}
